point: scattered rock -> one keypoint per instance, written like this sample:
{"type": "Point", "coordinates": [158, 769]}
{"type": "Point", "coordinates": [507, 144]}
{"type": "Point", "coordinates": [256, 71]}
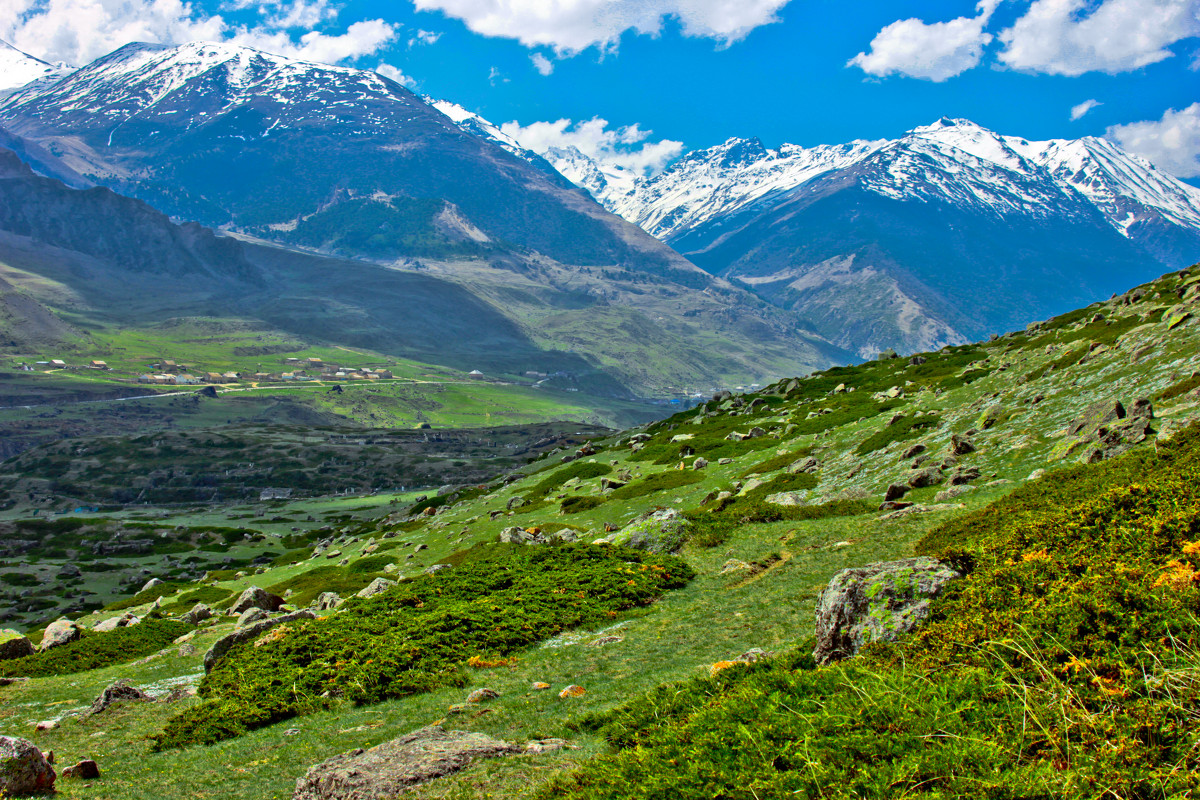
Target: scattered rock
{"type": "Point", "coordinates": [514, 502]}
{"type": "Point", "coordinates": [538, 746]}
{"type": "Point", "coordinates": [198, 614]}
{"type": "Point", "coordinates": [480, 695]}
{"type": "Point", "coordinates": [58, 633]}
{"type": "Point", "coordinates": [23, 768]}
{"type": "Point", "coordinates": [377, 586]}
{"type": "Point", "coordinates": [734, 566]}
{"type": "Point", "coordinates": [951, 493]}
{"type": "Point", "coordinates": [930, 476]}
{"type": "Point", "coordinates": [112, 623]}
{"type": "Point", "coordinates": [327, 601]}
{"type": "Point", "coordinates": [895, 492]}
{"type": "Point", "coordinates": [961, 445]}
{"type": "Point", "coordinates": [86, 770]}
{"type": "Point", "coordinates": [1037, 473]}
{"type": "Point", "coordinates": [393, 767]}
{"type": "Point", "coordinates": [249, 633]}
{"type": "Point", "coordinates": [517, 535]}
{"type": "Point", "coordinates": [249, 617]}
{"type": "Point", "coordinates": [14, 644]}
{"type": "Point", "coordinates": [187, 650]}
{"type": "Point", "coordinates": [121, 691]}
{"type": "Point", "coordinates": [662, 530]}
{"type": "Point", "coordinates": [46, 725]}
{"type": "Point", "coordinates": [603, 640]}
{"type": "Point", "coordinates": [150, 584]}
{"type": "Point", "coordinates": [964, 475]}
{"type": "Point", "coordinates": [724, 461]}
{"type": "Point", "coordinates": [700, 463]}
{"type": "Point", "coordinates": [877, 602]}
{"type": "Point", "coordinates": [540, 686]}
{"type": "Point", "coordinates": [254, 597]}
{"type": "Point", "coordinates": [572, 691]}
{"type": "Point", "coordinates": [809, 465]}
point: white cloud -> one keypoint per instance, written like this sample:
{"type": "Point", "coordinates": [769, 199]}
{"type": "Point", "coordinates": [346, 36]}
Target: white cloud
{"type": "Point", "coordinates": [1171, 143]}
{"type": "Point", "coordinates": [542, 64]}
{"type": "Point", "coordinates": [78, 31]}
{"type": "Point", "coordinates": [570, 26]}
{"type": "Point", "coordinates": [394, 74]}
{"type": "Point", "coordinates": [934, 51]}
{"type": "Point", "coordinates": [424, 37]}
{"type": "Point", "coordinates": [496, 76]}
{"type": "Point", "coordinates": [1083, 108]}
{"type": "Point", "coordinates": [627, 146]}
{"type": "Point", "coordinates": [1071, 37]}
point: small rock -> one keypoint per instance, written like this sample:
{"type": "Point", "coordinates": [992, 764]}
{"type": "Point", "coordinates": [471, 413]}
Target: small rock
{"type": "Point", "coordinates": [121, 691]}
{"type": "Point", "coordinates": [699, 463]}
{"type": "Point", "coordinates": [572, 691]}
{"type": "Point", "coordinates": [377, 586]}
{"type": "Point", "coordinates": [914, 451]}
{"type": "Point", "coordinates": [249, 617]}
{"type": "Point", "coordinates": [14, 645]}
{"type": "Point", "coordinates": [480, 695]}
{"type": "Point", "coordinates": [1037, 473]}
{"type": "Point", "coordinates": [733, 566]}
{"type": "Point", "coordinates": [86, 770]}
{"type": "Point", "coordinates": [930, 476]}
{"type": "Point", "coordinates": [327, 601]}
{"type": "Point", "coordinates": [46, 725]}
{"type": "Point", "coordinates": [960, 445]}
{"type": "Point", "coordinates": [540, 686]}
{"type": "Point", "coordinates": [539, 746]}
{"type": "Point", "coordinates": [198, 614]}
{"type": "Point", "coordinates": [895, 492]}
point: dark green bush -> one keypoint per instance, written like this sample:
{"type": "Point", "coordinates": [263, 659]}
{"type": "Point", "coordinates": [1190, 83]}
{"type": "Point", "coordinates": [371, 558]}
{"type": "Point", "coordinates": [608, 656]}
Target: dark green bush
{"type": "Point", "coordinates": [416, 636]}
{"type": "Point", "coordinates": [307, 585]}
{"type": "Point", "coordinates": [210, 595]}
{"type": "Point", "coordinates": [97, 650]}
{"type": "Point", "coordinates": [574, 505]}
{"type": "Point", "coordinates": [900, 431]}
{"type": "Point", "coordinates": [146, 596]}
{"type": "Point", "coordinates": [659, 482]}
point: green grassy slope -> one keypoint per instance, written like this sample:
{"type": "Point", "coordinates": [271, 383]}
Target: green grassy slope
{"type": "Point", "coordinates": [896, 721]}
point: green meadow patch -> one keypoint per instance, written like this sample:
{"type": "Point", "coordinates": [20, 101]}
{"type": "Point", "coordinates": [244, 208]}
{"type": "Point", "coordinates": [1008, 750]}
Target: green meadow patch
{"type": "Point", "coordinates": [96, 650]}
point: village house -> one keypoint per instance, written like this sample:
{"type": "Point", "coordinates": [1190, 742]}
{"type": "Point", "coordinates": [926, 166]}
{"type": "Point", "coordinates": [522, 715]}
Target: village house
{"type": "Point", "coordinates": [95, 364]}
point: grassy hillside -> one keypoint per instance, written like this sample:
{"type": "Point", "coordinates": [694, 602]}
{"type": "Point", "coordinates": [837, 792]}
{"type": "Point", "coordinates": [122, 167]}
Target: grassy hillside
{"type": "Point", "coordinates": [1062, 665]}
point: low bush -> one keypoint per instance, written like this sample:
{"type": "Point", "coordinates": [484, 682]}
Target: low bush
{"type": "Point", "coordinates": [97, 650]}
{"type": "Point", "coordinates": [574, 505]}
{"type": "Point", "coordinates": [583, 470]}
{"type": "Point", "coordinates": [714, 526]}
{"type": "Point", "coordinates": [418, 635]}
{"type": "Point", "coordinates": [899, 431]}
{"type": "Point", "coordinates": [370, 565]}
{"type": "Point", "coordinates": [659, 482]}
{"type": "Point", "coordinates": [146, 596]}
{"type": "Point", "coordinates": [209, 595]}
{"type": "Point", "coordinates": [340, 580]}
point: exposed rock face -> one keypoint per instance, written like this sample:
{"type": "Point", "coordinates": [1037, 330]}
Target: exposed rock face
{"type": "Point", "coordinates": [117, 692]}
{"type": "Point", "coordinates": [392, 767]}
{"type": "Point", "coordinates": [112, 623]}
{"type": "Point", "coordinates": [58, 633]}
{"type": "Point", "coordinates": [14, 645]}
{"type": "Point", "coordinates": [327, 601]}
{"type": "Point", "coordinates": [250, 632]}
{"type": "Point", "coordinates": [250, 616]}
{"type": "Point", "coordinates": [86, 770]}
{"type": "Point", "coordinates": [198, 614]}
{"type": "Point", "coordinates": [877, 602]}
{"type": "Point", "coordinates": [930, 476]}
{"type": "Point", "coordinates": [23, 768]}
{"type": "Point", "coordinates": [255, 597]}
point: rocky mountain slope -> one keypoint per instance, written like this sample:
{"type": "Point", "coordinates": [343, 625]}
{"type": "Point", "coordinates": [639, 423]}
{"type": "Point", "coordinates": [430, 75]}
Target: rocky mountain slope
{"type": "Point", "coordinates": [1051, 470]}
{"type": "Point", "coordinates": [946, 234]}
{"type": "Point", "coordinates": [350, 164]}
{"type": "Point", "coordinates": [18, 69]}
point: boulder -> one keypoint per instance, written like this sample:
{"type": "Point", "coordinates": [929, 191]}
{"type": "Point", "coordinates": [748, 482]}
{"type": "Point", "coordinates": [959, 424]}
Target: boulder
{"type": "Point", "coordinates": [663, 530]}
{"type": "Point", "coordinates": [222, 646]}
{"type": "Point", "coordinates": [23, 769]}
{"type": "Point", "coordinates": [250, 616]}
{"type": "Point", "coordinates": [150, 584]}
{"type": "Point", "coordinates": [964, 475]}
{"type": "Point", "coordinates": [914, 451]}
{"type": "Point", "coordinates": [877, 602]}
{"type": "Point", "coordinates": [700, 463]}
{"type": "Point", "coordinates": [117, 692]}
{"type": "Point", "coordinates": [481, 695]}
{"type": "Point", "coordinates": [198, 614]}
{"type": "Point", "coordinates": [514, 502]}
{"type": "Point", "coordinates": [392, 768]}
{"type": "Point", "coordinates": [518, 535]}
{"type": "Point", "coordinates": [112, 623]}
{"type": "Point", "coordinates": [14, 645]}
{"type": "Point", "coordinates": [895, 492]}
{"type": "Point", "coordinates": [609, 484]}
{"type": "Point", "coordinates": [58, 633]}
{"type": "Point", "coordinates": [255, 597]}
{"type": "Point", "coordinates": [960, 445]}
{"type": "Point", "coordinates": [377, 586]}
{"type": "Point", "coordinates": [1095, 415]}
{"type": "Point", "coordinates": [327, 601]}
{"type": "Point", "coordinates": [930, 476]}
{"type": "Point", "coordinates": [809, 465]}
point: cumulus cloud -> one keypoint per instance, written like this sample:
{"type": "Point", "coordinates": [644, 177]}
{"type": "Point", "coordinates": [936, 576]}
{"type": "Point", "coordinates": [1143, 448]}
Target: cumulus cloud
{"type": "Point", "coordinates": [1070, 37]}
{"type": "Point", "coordinates": [1083, 108]}
{"type": "Point", "coordinates": [570, 26]}
{"type": "Point", "coordinates": [542, 64]}
{"type": "Point", "coordinates": [78, 31]}
{"type": "Point", "coordinates": [628, 146]}
{"type": "Point", "coordinates": [424, 37]}
{"type": "Point", "coordinates": [934, 51]}
{"type": "Point", "coordinates": [1171, 143]}
{"type": "Point", "coordinates": [394, 74]}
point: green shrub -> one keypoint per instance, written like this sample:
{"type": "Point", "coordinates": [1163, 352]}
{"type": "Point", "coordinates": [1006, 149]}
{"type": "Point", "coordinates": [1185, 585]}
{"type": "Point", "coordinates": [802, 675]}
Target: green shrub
{"type": "Point", "coordinates": [574, 505]}
{"type": "Point", "coordinates": [307, 585]}
{"type": "Point", "coordinates": [415, 637]}
{"type": "Point", "coordinates": [97, 650]}
{"type": "Point", "coordinates": [714, 526]}
{"type": "Point", "coordinates": [900, 431]}
{"type": "Point", "coordinates": [210, 595]}
{"type": "Point", "coordinates": [146, 596]}
{"type": "Point", "coordinates": [370, 565]}
{"type": "Point", "coordinates": [1182, 387]}
{"type": "Point", "coordinates": [777, 462]}
{"type": "Point", "coordinates": [659, 482]}
{"type": "Point", "coordinates": [583, 470]}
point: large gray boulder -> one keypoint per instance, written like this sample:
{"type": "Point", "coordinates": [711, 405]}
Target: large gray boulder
{"type": "Point", "coordinates": [255, 597]}
{"type": "Point", "coordinates": [121, 691]}
{"type": "Point", "coordinates": [327, 601]}
{"type": "Point", "coordinates": [198, 614]}
{"type": "Point", "coordinates": [250, 632]}
{"type": "Point", "coordinates": [58, 633]}
{"type": "Point", "coordinates": [14, 644]}
{"type": "Point", "coordinates": [392, 768]}
{"type": "Point", "coordinates": [663, 530]}
{"type": "Point", "coordinates": [876, 603]}
{"type": "Point", "coordinates": [377, 586]}
{"type": "Point", "coordinates": [23, 769]}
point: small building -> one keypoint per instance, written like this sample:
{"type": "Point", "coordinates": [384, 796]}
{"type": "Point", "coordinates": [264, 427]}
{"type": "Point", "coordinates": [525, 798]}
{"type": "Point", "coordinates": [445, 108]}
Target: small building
{"type": "Point", "coordinates": [476, 375]}
{"type": "Point", "coordinates": [315, 362]}
{"type": "Point", "coordinates": [184, 379]}
{"type": "Point", "coordinates": [57, 362]}
{"type": "Point", "coordinates": [231, 376]}
{"type": "Point", "coordinates": [288, 376]}
{"type": "Point", "coordinates": [262, 376]}
{"type": "Point", "coordinates": [385, 373]}
{"type": "Point", "coordinates": [214, 377]}
{"type": "Point", "coordinates": [95, 364]}
{"type": "Point", "coordinates": [146, 379]}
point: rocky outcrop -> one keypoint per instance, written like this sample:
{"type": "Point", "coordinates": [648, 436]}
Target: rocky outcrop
{"type": "Point", "coordinates": [663, 530]}
{"type": "Point", "coordinates": [249, 633]}
{"type": "Point", "coordinates": [377, 586]}
{"type": "Point", "coordinates": [23, 769]}
{"type": "Point", "coordinates": [875, 603]}
{"type": "Point", "coordinates": [327, 601]}
{"type": "Point", "coordinates": [255, 597]}
{"type": "Point", "coordinates": [198, 614]}
{"type": "Point", "coordinates": [121, 691]}
{"type": "Point", "coordinates": [14, 645]}
{"type": "Point", "coordinates": [393, 767]}
{"type": "Point", "coordinates": [1106, 429]}
{"type": "Point", "coordinates": [58, 633]}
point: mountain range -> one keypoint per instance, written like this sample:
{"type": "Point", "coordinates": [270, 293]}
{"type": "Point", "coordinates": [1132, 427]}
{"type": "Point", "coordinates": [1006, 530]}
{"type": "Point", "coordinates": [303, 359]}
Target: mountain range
{"type": "Point", "coordinates": [349, 164]}
{"type": "Point", "coordinates": [946, 234]}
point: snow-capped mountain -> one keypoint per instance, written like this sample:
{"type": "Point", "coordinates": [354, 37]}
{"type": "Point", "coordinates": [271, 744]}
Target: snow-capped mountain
{"type": "Point", "coordinates": [18, 68]}
{"type": "Point", "coordinates": [347, 162]}
{"type": "Point", "coordinates": [872, 240]}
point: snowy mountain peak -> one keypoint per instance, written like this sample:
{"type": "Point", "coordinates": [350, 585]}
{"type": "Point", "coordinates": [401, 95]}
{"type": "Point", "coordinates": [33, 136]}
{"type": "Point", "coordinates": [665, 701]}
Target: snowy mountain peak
{"type": "Point", "coordinates": [18, 68]}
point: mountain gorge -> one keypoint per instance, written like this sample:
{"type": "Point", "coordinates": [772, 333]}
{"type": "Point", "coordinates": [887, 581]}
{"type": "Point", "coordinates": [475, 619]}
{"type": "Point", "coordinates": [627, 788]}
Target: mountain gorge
{"type": "Point", "coordinates": [949, 233]}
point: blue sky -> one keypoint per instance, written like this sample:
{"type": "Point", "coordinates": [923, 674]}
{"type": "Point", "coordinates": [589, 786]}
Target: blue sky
{"type": "Point", "coordinates": [681, 74]}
